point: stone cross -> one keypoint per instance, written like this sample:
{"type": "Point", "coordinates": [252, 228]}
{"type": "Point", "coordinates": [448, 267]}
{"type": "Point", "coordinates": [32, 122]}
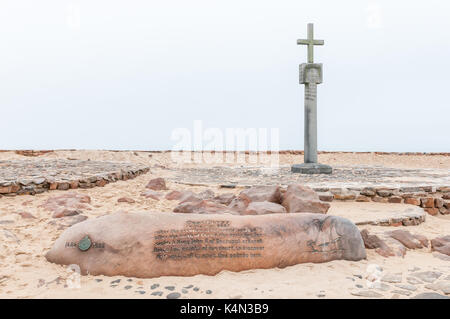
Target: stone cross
{"type": "Point", "coordinates": [310, 42]}
{"type": "Point", "coordinates": [310, 76]}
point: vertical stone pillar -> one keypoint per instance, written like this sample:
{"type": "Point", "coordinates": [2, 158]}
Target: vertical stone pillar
{"type": "Point", "coordinates": [310, 76]}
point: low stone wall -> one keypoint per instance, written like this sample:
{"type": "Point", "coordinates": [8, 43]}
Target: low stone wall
{"type": "Point", "coordinates": [434, 200]}
{"type": "Point", "coordinates": [30, 177]}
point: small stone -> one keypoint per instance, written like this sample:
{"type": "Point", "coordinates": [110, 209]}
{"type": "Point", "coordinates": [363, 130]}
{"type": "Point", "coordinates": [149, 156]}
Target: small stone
{"type": "Point", "coordinates": [126, 200]}
{"type": "Point", "coordinates": [208, 292]}
{"type": "Point", "coordinates": [154, 286]}
{"type": "Point", "coordinates": [407, 287]}
{"type": "Point", "coordinates": [185, 291]}
{"type": "Point", "coordinates": [189, 286]}
{"type": "Point", "coordinates": [413, 281]}
{"type": "Point", "coordinates": [171, 288]}
{"type": "Point", "coordinates": [362, 198]}
{"type": "Point", "coordinates": [321, 294]}
{"type": "Point", "coordinates": [427, 202]}
{"type": "Point", "coordinates": [359, 286]}
{"type": "Point", "coordinates": [402, 292]}
{"type": "Point", "coordinates": [326, 196]}
{"type": "Point", "coordinates": [427, 276]}
{"type": "Point", "coordinates": [98, 280]}
{"type": "Point", "coordinates": [115, 281]}
{"type": "Point", "coordinates": [395, 199]}
{"type": "Point", "coordinates": [440, 286]}
{"type": "Point", "coordinates": [392, 278]}
{"type": "Point", "coordinates": [140, 292]}
{"type": "Point", "coordinates": [430, 295]}
{"type": "Point", "coordinates": [127, 287]}
{"type": "Point", "coordinates": [196, 289]}
{"type": "Point", "coordinates": [382, 286]}
{"type": "Point", "coordinates": [432, 211]}
{"type": "Point", "coordinates": [157, 293]}
{"type": "Point", "coordinates": [26, 215]}
{"type": "Point", "coordinates": [412, 201]}
{"type": "Point", "coordinates": [157, 184]}
{"type": "Point", "coordinates": [367, 294]}
{"type": "Point", "coordinates": [173, 295]}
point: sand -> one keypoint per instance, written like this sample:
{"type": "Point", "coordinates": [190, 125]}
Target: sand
{"type": "Point", "coordinates": [25, 273]}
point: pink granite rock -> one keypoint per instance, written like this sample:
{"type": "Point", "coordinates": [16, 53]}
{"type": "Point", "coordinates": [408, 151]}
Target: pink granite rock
{"type": "Point", "coordinates": [151, 244]}
{"type": "Point", "coordinates": [157, 184]}
{"type": "Point", "coordinates": [67, 204]}
{"type": "Point", "coordinates": [151, 194]}
{"type": "Point", "coordinates": [441, 245]}
{"type": "Point", "coordinates": [261, 194]}
{"type": "Point", "coordinates": [202, 207]}
{"type": "Point", "coordinates": [225, 198]}
{"type": "Point", "coordinates": [300, 199]}
{"type": "Point", "coordinates": [126, 200]}
{"type": "Point", "coordinates": [262, 208]}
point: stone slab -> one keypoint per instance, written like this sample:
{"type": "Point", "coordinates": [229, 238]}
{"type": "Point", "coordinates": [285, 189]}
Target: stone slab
{"type": "Point", "coordinates": [153, 244]}
{"type": "Point", "coordinates": [311, 168]}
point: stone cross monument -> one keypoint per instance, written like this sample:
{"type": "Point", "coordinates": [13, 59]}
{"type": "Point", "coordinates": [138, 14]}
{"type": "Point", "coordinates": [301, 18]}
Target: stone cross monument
{"type": "Point", "coordinates": [310, 76]}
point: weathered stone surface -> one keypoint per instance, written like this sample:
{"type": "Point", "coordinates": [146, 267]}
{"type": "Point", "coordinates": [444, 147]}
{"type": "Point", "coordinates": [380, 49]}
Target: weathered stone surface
{"type": "Point", "coordinates": [432, 211]}
{"type": "Point", "coordinates": [151, 194]}
{"type": "Point", "coordinates": [189, 196]}
{"type": "Point", "coordinates": [26, 215]}
{"type": "Point", "coordinates": [385, 246]}
{"type": "Point", "coordinates": [427, 202]}
{"type": "Point", "coordinates": [395, 199]}
{"type": "Point", "coordinates": [438, 202]}
{"type": "Point", "coordinates": [412, 201]}
{"type": "Point", "coordinates": [427, 276]}
{"type": "Point", "coordinates": [384, 192]}
{"type": "Point", "coordinates": [166, 244]}
{"type": "Point", "coordinates": [343, 194]}
{"type": "Point", "coordinates": [299, 199]}
{"type": "Point", "coordinates": [407, 287]}
{"type": "Point", "coordinates": [206, 194]}
{"type": "Point", "coordinates": [326, 196]}
{"type": "Point", "coordinates": [441, 245]}
{"type": "Point", "coordinates": [442, 286]}
{"type": "Point", "coordinates": [367, 294]}
{"type": "Point", "coordinates": [174, 195]}
{"type": "Point", "coordinates": [262, 208]}
{"type": "Point", "coordinates": [261, 194]}
{"type": "Point", "coordinates": [225, 198]}
{"type": "Point", "coordinates": [203, 207]}
{"type": "Point", "coordinates": [368, 191]}
{"type": "Point", "coordinates": [362, 198]}
{"type": "Point", "coordinates": [379, 199]}
{"type": "Point", "coordinates": [406, 238]}
{"type": "Point", "coordinates": [67, 204]}
{"type": "Point", "coordinates": [392, 278]}
{"type": "Point", "coordinates": [157, 184]}
{"type": "Point", "coordinates": [126, 200]}
{"type": "Point", "coordinates": [430, 295]}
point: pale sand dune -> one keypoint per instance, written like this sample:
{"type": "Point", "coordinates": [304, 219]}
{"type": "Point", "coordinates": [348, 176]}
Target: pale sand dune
{"type": "Point", "coordinates": [25, 273]}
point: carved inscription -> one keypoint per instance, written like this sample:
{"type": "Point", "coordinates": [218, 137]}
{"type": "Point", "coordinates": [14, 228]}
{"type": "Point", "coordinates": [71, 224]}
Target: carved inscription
{"type": "Point", "coordinates": [208, 239]}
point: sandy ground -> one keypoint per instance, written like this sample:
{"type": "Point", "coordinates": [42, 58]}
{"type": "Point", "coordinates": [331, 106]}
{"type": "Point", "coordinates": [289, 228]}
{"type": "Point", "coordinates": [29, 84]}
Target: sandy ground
{"type": "Point", "coordinates": [25, 273]}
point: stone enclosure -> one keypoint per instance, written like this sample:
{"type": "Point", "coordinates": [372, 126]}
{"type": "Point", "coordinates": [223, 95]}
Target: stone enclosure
{"type": "Point", "coordinates": [30, 177]}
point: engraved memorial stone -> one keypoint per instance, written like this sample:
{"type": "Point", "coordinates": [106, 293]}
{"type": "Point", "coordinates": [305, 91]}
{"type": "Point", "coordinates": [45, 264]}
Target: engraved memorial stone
{"type": "Point", "coordinates": [310, 76]}
{"type": "Point", "coordinates": [152, 244]}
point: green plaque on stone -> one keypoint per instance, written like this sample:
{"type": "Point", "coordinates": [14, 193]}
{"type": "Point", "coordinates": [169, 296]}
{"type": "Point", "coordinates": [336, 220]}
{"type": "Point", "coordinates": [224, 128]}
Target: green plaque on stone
{"type": "Point", "coordinates": [84, 243]}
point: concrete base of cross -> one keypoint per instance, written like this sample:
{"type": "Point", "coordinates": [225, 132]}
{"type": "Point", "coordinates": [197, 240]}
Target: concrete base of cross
{"type": "Point", "coordinates": [311, 168]}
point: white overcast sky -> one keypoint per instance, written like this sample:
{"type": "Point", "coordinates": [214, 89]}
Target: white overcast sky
{"type": "Point", "coordinates": [104, 74]}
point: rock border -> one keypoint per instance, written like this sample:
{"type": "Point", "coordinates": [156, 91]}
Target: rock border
{"type": "Point", "coordinates": [433, 199]}
{"type": "Point", "coordinates": [41, 184]}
